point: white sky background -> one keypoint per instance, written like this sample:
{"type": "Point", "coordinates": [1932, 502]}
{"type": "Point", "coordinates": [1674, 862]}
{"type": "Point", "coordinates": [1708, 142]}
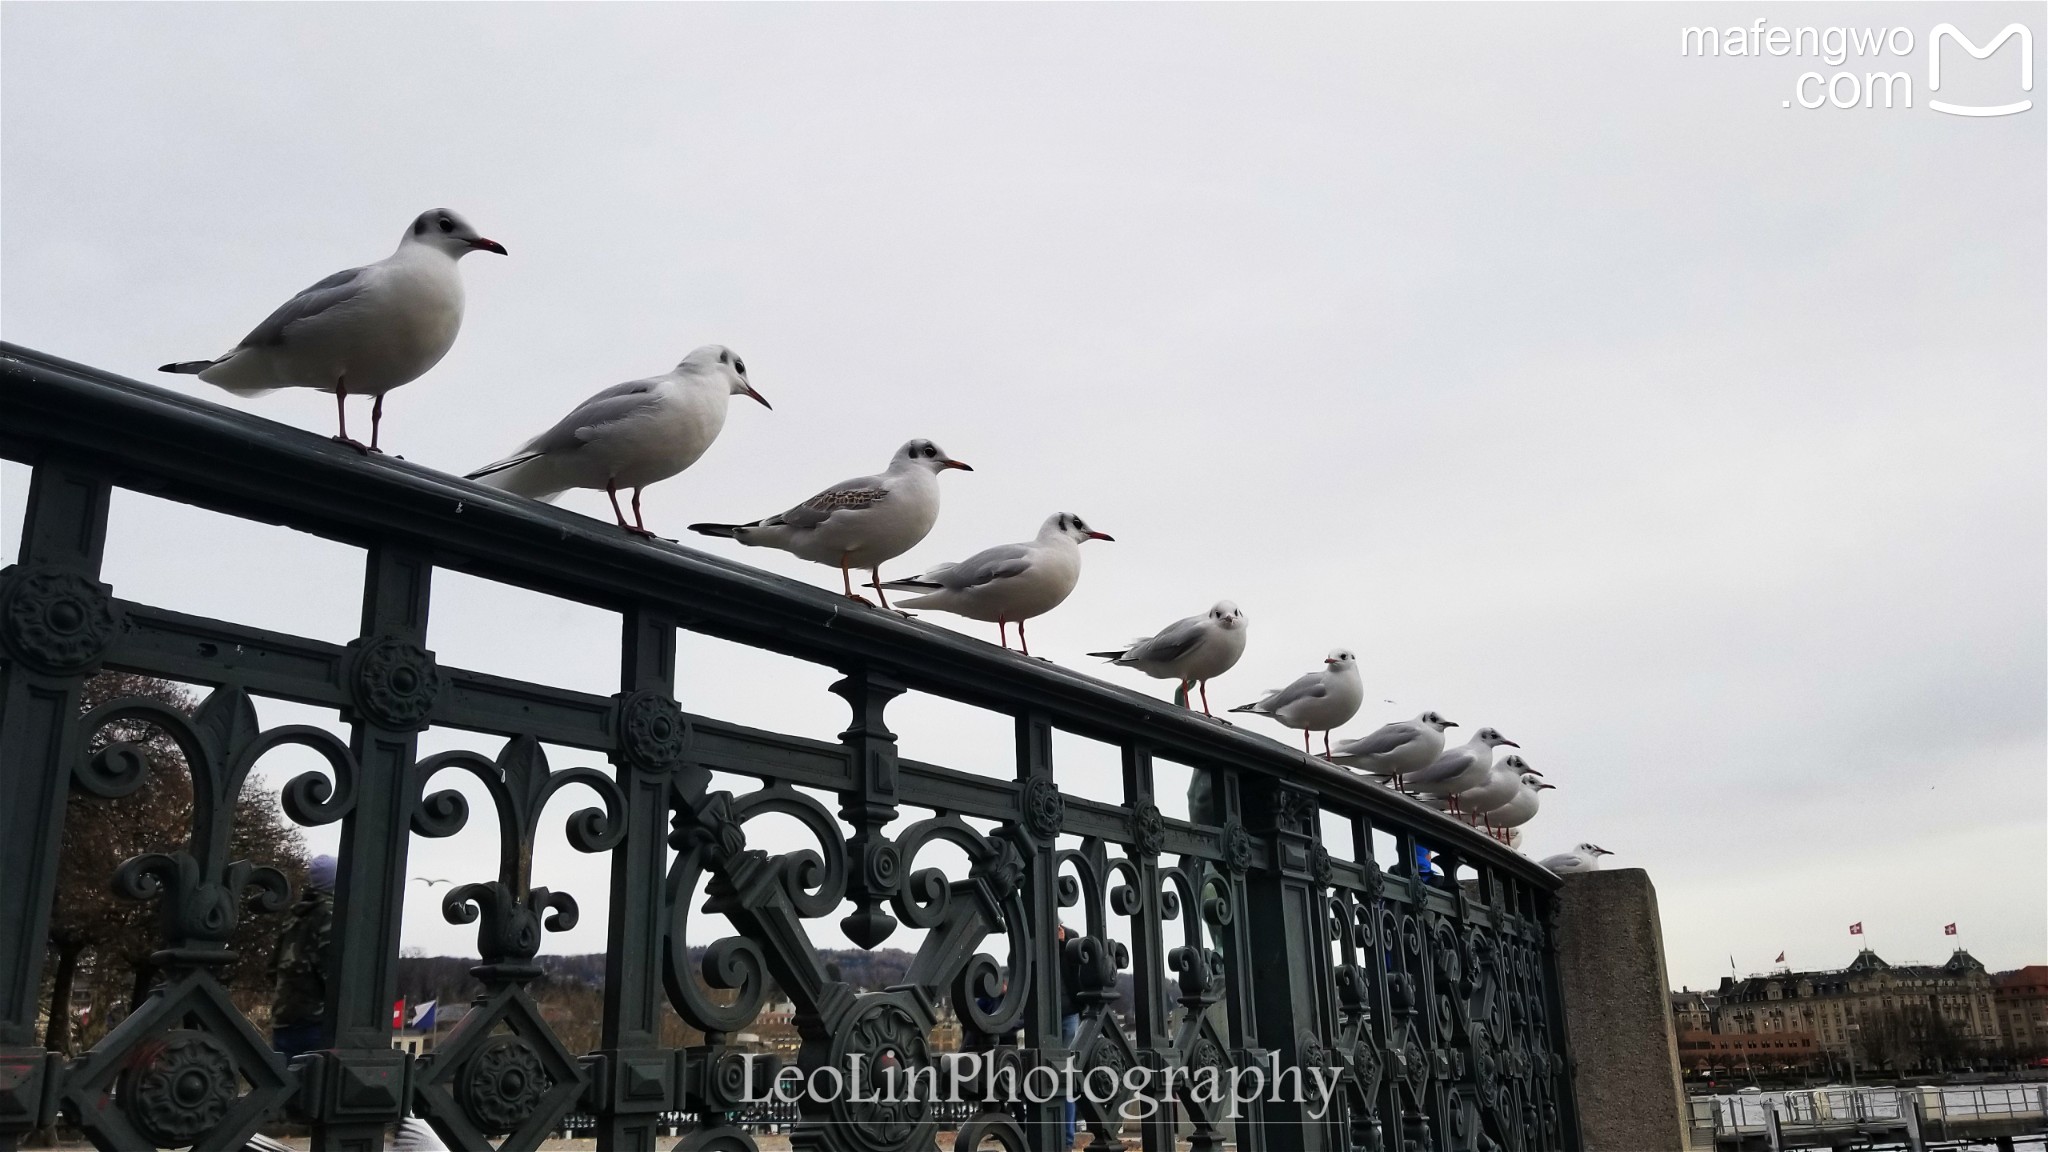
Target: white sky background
{"type": "Point", "coordinates": [1693, 441]}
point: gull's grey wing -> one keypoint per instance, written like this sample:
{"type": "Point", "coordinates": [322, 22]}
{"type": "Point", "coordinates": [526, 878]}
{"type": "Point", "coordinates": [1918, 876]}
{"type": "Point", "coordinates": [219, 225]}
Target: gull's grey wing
{"type": "Point", "coordinates": [864, 492]}
{"type": "Point", "coordinates": [336, 289]}
{"type": "Point", "coordinates": [1308, 687]}
{"type": "Point", "coordinates": [1171, 643]}
{"type": "Point", "coordinates": [1381, 742]}
{"type": "Point", "coordinates": [616, 403]}
{"type": "Point", "coordinates": [1448, 765]}
{"type": "Point", "coordinates": [984, 567]}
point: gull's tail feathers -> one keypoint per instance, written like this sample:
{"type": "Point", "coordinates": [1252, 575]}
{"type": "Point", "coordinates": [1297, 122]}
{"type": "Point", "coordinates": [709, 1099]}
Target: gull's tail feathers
{"type": "Point", "coordinates": [523, 474]}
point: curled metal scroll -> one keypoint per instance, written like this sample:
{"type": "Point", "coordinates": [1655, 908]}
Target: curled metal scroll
{"type": "Point", "coordinates": [711, 838]}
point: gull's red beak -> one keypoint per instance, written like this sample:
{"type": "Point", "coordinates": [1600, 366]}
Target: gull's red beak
{"type": "Point", "coordinates": [1511, 744]}
{"type": "Point", "coordinates": [1102, 536]}
{"type": "Point", "coordinates": [949, 463]}
{"type": "Point", "coordinates": [489, 246]}
{"type": "Point", "coordinates": [756, 395]}
{"type": "Point", "coordinates": [1541, 787]}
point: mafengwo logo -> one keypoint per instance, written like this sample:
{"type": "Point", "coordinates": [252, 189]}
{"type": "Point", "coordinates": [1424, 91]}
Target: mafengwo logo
{"type": "Point", "coordinates": [1986, 89]}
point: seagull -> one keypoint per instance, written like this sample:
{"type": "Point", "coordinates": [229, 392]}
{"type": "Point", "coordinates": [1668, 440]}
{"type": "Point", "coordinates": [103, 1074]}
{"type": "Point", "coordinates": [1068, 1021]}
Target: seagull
{"type": "Point", "coordinates": [630, 434]}
{"type": "Point", "coordinates": [1464, 767]}
{"type": "Point", "coordinates": [1584, 858]}
{"type": "Point", "coordinates": [857, 523]}
{"type": "Point", "coordinates": [1521, 809]}
{"type": "Point", "coordinates": [1502, 784]}
{"type": "Point", "coordinates": [1010, 582]}
{"type": "Point", "coordinates": [1398, 748]}
{"type": "Point", "coordinates": [366, 330]}
{"type": "Point", "coordinates": [1317, 702]}
{"type": "Point", "coordinates": [430, 881]}
{"type": "Point", "coordinates": [1192, 651]}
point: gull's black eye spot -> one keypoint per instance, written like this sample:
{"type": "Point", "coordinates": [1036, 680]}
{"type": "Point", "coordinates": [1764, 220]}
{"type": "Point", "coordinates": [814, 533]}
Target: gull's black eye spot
{"type": "Point", "coordinates": [930, 451]}
{"type": "Point", "coordinates": [739, 366]}
{"type": "Point", "coordinates": [447, 225]}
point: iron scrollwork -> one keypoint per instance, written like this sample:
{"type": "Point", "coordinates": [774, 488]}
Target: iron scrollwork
{"type": "Point", "coordinates": [483, 1082]}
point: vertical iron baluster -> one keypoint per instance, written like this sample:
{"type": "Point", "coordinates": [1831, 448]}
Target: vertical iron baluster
{"type": "Point", "coordinates": [636, 1078]}
{"type": "Point", "coordinates": [1148, 940]}
{"type": "Point", "coordinates": [58, 619]}
{"type": "Point", "coordinates": [360, 1085]}
{"type": "Point", "coordinates": [1041, 815]}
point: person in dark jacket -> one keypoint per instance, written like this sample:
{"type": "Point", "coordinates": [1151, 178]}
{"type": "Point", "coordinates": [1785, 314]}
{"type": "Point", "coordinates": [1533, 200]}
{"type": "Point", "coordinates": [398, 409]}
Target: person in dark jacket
{"type": "Point", "coordinates": [298, 965]}
{"type": "Point", "coordinates": [1070, 1014]}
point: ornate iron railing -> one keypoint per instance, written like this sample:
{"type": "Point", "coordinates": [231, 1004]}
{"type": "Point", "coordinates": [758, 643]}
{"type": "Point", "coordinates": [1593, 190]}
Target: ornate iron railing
{"type": "Point", "coordinates": [1430, 997]}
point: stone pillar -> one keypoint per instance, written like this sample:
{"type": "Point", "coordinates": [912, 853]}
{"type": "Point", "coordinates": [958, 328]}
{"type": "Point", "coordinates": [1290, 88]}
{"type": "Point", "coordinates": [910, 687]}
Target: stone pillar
{"type": "Point", "coordinates": [1617, 1004]}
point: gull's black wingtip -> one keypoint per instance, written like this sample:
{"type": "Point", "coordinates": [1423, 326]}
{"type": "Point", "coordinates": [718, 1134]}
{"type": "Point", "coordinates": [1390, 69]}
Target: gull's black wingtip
{"type": "Point", "coordinates": [725, 530]}
{"type": "Point", "coordinates": [187, 367]}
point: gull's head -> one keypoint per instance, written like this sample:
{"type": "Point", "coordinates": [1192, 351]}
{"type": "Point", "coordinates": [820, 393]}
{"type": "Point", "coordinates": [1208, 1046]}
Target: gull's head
{"type": "Point", "coordinates": [1594, 850]}
{"type": "Point", "coordinates": [442, 229]}
{"type": "Point", "coordinates": [1070, 526]}
{"type": "Point", "coordinates": [1436, 721]}
{"type": "Point", "coordinates": [1227, 616]}
{"type": "Point", "coordinates": [1491, 737]}
{"type": "Point", "coordinates": [926, 455]}
{"type": "Point", "coordinates": [1517, 765]}
{"type": "Point", "coordinates": [719, 363]}
{"type": "Point", "coordinates": [1341, 660]}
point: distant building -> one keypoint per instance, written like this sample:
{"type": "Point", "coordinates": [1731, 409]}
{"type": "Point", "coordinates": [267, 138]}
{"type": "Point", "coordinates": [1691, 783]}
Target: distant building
{"type": "Point", "coordinates": [1700, 1051]}
{"type": "Point", "coordinates": [1693, 1011]}
{"type": "Point", "coordinates": [1829, 1004]}
{"type": "Point", "coordinates": [2020, 999]}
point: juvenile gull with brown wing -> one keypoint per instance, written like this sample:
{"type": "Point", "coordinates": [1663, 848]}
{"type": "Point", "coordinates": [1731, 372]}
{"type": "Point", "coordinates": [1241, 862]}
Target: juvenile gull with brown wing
{"type": "Point", "coordinates": [858, 523]}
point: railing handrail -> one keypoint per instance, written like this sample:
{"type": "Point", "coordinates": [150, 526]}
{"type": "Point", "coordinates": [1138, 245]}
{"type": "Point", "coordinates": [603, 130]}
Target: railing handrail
{"type": "Point", "coordinates": [175, 445]}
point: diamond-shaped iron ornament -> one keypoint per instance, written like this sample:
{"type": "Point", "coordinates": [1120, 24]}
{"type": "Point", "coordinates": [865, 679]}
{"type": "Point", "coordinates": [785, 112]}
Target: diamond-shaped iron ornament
{"type": "Point", "coordinates": [1199, 1046]}
{"type": "Point", "coordinates": [173, 1074]}
{"type": "Point", "coordinates": [1101, 1044]}
{"type": "Point", "coordinates": [482, 1082]}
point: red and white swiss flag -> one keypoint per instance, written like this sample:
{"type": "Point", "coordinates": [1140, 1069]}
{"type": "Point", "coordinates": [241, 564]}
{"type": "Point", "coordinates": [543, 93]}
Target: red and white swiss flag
{"type": "Point", "coordinates": [1948, 930]}
{"type": "Point", "coordinates": [1856, 929]}
{"type": "Point", "coordinates": [397, 1014]}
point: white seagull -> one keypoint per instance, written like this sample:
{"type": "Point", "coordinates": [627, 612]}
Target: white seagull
{"type": "Point", "coordinates": [1009, 583]}
{"type": "Point", "coordinates": [1503, 783]}
{"type": "Point", "coordinates": [1193, 651]}
{"type": "Point", "coordinates": [1465, 767]}
{"type": "Point", "coordinates": [857, 523]}
{"type": "Point", "coordinates": [630, 435]}
{"type": "Point", "coordinates": [1317, 702]}
{"type": "Point", "coordinates": [1584, 858]}
{"type": "Point", "coordinates": [363, 331]}
{"type": "Point", "coordinates": [1396, 749]}
{"type": "Point", "coordinates": [1522, 809]}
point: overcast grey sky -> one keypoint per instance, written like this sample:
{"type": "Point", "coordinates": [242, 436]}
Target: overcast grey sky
{"type": "Point", "coordinates": [1585, 389]}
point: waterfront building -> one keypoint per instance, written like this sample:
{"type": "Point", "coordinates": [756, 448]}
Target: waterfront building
{"type": "Point", "coordinates": [1693, 1011]}
{"type": "Point", "coordinates": [1833, 1005]}
{"type": "Point", "coordinates": [2020, 999]}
